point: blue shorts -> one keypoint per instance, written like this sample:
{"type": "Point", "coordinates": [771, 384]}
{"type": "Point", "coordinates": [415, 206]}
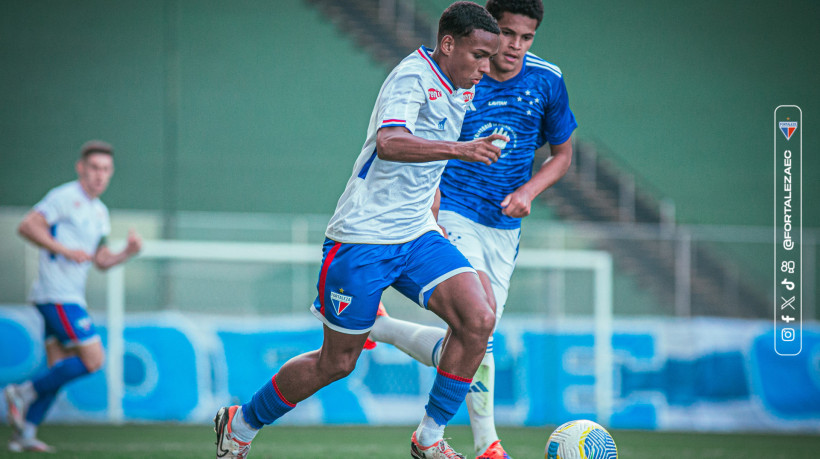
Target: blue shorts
{"type": "Point", "coordinates": [353, 277]}
{"type": "Point", "coordinates": [68, 323]}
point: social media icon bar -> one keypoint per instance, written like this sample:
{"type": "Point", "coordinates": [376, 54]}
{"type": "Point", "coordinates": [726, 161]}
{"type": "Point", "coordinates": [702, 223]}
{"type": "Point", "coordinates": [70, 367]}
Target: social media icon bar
{"type": "Point", "coordinates": [788, 230]}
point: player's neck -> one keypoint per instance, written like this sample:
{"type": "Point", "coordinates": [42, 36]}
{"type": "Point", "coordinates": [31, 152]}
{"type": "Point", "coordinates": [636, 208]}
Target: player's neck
{"type": "Point", "coordinates": [498, 75]}
{"type": "Point", "coordinates": [87, 193]}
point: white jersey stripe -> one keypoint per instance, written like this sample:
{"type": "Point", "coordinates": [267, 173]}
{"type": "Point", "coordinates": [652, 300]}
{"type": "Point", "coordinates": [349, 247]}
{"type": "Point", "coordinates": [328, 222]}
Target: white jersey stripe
{"type": "Point", "coordinates": [537, 61]}
{"type": "Point", "coordinates": [554, 70]}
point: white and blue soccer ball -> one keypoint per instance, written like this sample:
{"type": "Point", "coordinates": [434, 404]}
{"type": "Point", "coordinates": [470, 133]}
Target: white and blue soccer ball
{"type": "Point", "coordinates": [581, 440]}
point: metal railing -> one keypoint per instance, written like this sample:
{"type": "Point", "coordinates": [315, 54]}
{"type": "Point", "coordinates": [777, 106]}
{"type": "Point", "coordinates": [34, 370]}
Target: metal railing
{"type": "Point", "coordinates": [747, 250]}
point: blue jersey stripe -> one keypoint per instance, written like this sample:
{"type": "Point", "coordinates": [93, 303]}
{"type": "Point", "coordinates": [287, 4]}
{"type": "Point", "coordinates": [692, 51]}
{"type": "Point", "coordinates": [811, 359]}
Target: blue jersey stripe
{"type": "Point", "coordinates": [366, 167]}
{"type": "Point", "coordinates": [53, 229]}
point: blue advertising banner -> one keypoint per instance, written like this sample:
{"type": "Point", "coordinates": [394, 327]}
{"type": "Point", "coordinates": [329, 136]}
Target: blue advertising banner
{"type": "Point", "coordinates": [669, 374]}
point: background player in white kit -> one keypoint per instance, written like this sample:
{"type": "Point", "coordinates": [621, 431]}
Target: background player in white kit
{"type": "Point", "coordinates": [70, 225]}
{"type": "Point", "coordinates": [523, 97]}
{"type": "Point", "coordinates": [383, 234]}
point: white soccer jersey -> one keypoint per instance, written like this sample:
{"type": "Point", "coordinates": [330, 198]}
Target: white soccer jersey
{"type": "Point", "coordinates": [388, 202]}
{"type": "Point", "coordinates": [77, 222]}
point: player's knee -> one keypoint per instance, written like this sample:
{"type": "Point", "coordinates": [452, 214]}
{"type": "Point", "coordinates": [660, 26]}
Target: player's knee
{"type": "Point", "coordinates": [95, 363]}
{"type": "Point", "coordinates": [479, 324]}
{"type": "Point", "coordinates": [338, 368]}
{"type": "Point", "coordinates": [93, 359]}
{"type": "Point", "coordinates": [485, 322]}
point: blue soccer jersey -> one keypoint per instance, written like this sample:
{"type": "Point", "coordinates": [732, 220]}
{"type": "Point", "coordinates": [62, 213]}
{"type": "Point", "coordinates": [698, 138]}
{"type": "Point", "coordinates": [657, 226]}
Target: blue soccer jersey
{"type": "Point", "coordinates": [532, 109]}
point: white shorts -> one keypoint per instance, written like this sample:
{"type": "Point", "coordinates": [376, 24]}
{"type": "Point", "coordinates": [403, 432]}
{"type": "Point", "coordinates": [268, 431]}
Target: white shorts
{"type": "Point", "coordinates": [490, 250]}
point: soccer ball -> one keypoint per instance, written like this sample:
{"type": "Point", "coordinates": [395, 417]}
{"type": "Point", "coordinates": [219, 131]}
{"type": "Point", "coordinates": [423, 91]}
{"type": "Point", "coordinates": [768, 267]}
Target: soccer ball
{"type": "Point", "coordinates": [581, 440]}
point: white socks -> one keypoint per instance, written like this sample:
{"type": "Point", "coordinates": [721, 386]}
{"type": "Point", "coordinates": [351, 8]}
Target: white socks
{"type": "Point", "coordinates": [27, 392]}
{"type": "Point", "coordinates": [29, 431]}
{"type": "Point", "coordinates": [417, 341]}
{"type": "Point", "coordinates": [429, 432]}
{"type": "Point", "coordinates": [423, 344]}
{"type": "Point", "coordinates": [480, 403]}
{"type": "Point", "coordinates": [240, 429]}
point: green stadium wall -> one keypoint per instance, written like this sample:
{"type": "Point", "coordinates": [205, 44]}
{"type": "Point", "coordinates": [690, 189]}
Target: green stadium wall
{"type": "Point", "coordinates": [262, 106]}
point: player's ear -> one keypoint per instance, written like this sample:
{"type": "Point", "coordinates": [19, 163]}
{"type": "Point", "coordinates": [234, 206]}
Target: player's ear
{"type": "Point", "coordinates": [447, 44]}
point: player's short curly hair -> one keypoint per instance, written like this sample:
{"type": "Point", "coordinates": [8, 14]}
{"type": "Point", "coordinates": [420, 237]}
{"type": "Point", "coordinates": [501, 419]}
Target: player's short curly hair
{"type": "Point", "coordinates": [530, 8]}
{"type": "Point", "coordinates": [461, 18]}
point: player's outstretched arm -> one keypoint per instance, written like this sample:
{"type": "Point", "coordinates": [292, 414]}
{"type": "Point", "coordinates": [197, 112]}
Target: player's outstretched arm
{"type": "Point", "coordinates": [104, 258]}
{"type": "Point", "coordinates": [518, 203]}
{"type": "Point", "coordinates": [36, 229]}
{"type": "Point", "coordinates": [398, 144]}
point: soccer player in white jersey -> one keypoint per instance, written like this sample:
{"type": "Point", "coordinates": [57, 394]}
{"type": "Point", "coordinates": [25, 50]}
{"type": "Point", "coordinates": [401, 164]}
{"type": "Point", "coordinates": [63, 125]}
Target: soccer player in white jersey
{"type": "Point", "coordinates": [383, 234]}
{"type": "Point", "coordinates": [524, 98]}
{"type": "Point", "coordinates": [69, 225]}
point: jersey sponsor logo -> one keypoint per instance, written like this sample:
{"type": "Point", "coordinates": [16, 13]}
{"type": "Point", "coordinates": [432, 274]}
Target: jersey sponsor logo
{"type": "Point", "coordinates": [441, 124]}
{"type": "Point", "coordinates": [340, 302]}
{"type": "Point", "coordinates": [433, 93]}
{"type": "Point", "coordinates": [468, 96]}
{"type": "Point", "coordinates": [788, 128]}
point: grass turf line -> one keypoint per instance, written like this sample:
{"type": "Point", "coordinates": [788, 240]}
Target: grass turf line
{"type": "Point", "coordinates": [159, 441]}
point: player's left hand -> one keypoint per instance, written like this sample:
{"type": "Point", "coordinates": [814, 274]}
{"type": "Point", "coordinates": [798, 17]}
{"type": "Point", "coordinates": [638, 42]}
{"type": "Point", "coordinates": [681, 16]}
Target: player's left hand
{"type": "Point", "coordinates": [516, 204]}
{"type": "Point", "coordinates": [134, 242]}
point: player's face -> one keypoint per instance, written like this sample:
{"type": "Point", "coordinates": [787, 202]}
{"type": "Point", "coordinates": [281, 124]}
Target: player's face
{"type": "Point", "coordinates": [470, 58]}
{"type": "Point", "coordinates": [517, 33]}
{"type": "Point", "coordinates": [95, 173]}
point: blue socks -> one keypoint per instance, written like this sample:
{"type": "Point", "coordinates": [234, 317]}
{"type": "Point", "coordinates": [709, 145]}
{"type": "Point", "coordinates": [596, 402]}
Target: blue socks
{"type": "Point", "coordinates": [266, 405]}
{"type": "Point", "coordinates": [446, 396]}
{"type": "Point", "coordinates": [61, 373]}
{"type": "Point", "coordinates": [37, 410]}
{"type": "Point", "coordinates": [47, 385]}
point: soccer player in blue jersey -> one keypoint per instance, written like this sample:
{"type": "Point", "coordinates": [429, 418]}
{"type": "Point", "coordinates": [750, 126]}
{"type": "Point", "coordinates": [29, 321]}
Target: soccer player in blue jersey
{"type": "Point", "coordinates": [384, 234]}
{"type": "Point", "coordinates": [524, 98]}
{"type": "Point", "coordinates": [69, 225]}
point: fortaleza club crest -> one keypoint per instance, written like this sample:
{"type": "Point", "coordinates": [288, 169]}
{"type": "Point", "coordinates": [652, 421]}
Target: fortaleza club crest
{"type": "Point", "coordinates": [340, 302]}
{"type": "Point", "coordinates": [788, 128]}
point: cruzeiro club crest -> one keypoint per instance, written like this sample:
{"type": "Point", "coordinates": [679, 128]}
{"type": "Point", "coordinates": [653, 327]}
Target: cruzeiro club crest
{"type": "Point", "coordinates": [340, 302]}
{"type": "Point", "coordinates": [788, 128]}
{"type": "Point", "coordinates": [503, 129]}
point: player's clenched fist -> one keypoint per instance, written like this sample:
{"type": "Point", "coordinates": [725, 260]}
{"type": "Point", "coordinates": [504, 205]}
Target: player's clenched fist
{"type": "Point", "coordinates": [134, 242]}
{"type": "Point", "coordinates": [517, 204]}
{"type": "Point", "coordinates": [484, 150]}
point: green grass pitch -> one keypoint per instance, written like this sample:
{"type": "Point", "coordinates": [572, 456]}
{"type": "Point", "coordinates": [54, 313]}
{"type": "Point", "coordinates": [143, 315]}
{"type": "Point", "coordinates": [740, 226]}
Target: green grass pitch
{"type": "Point", "coordinates": [158, 441]}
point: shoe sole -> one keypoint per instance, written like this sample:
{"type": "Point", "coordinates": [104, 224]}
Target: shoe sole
{"type": "Point", "coordinates": [220, 422]}
{"type": "Point", "coordinates": [414, 452]}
